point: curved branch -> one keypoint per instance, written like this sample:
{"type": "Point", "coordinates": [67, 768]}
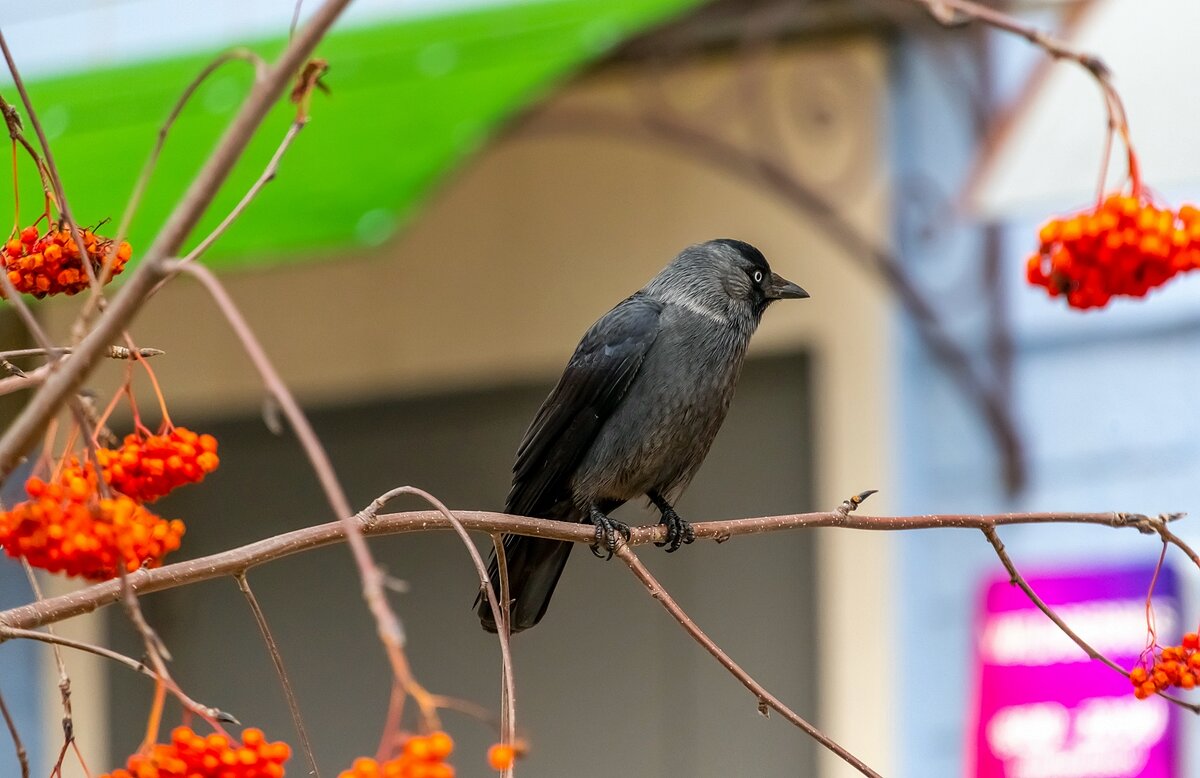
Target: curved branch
{"type": "Point", "coordinates": [238, 560]}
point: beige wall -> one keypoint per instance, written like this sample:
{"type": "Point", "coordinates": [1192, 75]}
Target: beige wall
{"type": "Point", "coordinates": [513, 258]}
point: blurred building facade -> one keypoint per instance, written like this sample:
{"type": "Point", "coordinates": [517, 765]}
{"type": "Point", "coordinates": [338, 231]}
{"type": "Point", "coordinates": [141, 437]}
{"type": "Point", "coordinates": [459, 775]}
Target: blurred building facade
{"type": "Point", "coordinates": [836, 136]}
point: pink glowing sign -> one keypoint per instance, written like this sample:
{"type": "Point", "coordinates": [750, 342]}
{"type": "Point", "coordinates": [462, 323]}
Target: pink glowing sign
{"type": "Point", "coordinates": [1047, 711]}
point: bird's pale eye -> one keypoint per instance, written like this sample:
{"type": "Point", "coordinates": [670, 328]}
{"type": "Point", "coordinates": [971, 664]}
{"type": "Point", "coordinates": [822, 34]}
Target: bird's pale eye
{"type": "Point", "coordinates": [758, 276]}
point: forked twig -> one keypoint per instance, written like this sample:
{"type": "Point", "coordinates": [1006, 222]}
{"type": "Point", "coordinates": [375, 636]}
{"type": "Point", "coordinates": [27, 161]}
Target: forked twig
{"type": "Point", "coordinates": [499, 611]}
{"type": "Point", "coordinates": [1019, 581]}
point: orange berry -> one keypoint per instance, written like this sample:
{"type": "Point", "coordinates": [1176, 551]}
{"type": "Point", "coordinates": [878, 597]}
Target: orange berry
{"type": "Point", "coordinates": [501, 756]}
{"type": "Point", "coordinates": [417, 747]}
{"type": "Point", "coordinates": [440, 745]}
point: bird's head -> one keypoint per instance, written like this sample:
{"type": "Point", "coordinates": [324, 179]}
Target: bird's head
{"type": "Point", "coordinates": [727, 275]}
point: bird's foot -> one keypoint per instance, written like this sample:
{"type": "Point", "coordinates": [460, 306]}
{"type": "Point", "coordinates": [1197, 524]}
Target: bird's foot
{"type": "Point", "coordinates": [679, 532]}
{"type": "Point", "coordinates": [607, 531]}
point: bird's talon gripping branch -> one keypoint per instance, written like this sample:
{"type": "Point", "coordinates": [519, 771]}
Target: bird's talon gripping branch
{"type": "Point", "coordinates": [607, 531]}
{"type": "Point", "coordinates": [679, 532]}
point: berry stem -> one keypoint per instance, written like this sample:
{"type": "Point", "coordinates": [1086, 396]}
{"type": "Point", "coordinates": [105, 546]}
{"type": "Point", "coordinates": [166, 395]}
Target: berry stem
{"type": "Point", "coordinates": [140, 428]}
{"type": "Point", "coordinates": [102, 419]}
{"type": "Point", "coordinates": [1104, 161]}
{"type": "Point", "coordinates": [167, 426]}
{"type": "Point", "coordinates": [72, 437]}
{"type": "Point", "coordinates": [1135, 171]}
{"type": "Point", "coordinates": [1151, 624]}
{"type": "Point", "coordinates": [155, 718]}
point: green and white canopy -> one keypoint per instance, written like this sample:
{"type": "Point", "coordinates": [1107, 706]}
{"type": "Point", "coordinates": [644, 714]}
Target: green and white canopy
{"type": "Point", "coordinates": [412, 96]}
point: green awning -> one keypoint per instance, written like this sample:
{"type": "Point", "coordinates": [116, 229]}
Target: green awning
{"type": "Point", "coordinates": [410, 100]}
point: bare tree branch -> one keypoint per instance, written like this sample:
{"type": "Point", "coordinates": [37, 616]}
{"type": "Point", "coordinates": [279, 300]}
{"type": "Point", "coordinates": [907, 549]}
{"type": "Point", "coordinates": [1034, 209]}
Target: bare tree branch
{"type": "Point", "coordinates": [243, 558]}
{"type": "Point", "coordinates": [1019, 581]}
{"type": "Point", "coordinates": [11, 633]}
{"type": "Point", "coordinates": [766, 700]}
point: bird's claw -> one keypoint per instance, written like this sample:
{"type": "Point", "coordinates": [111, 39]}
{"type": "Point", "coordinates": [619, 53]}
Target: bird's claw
{"type": "Point", "coordinates": [607, 531]}
{"type": "Point", "coordinates": [679, 532]}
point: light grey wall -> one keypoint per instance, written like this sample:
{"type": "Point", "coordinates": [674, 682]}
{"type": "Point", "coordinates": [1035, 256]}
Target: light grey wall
{"type": "Point", "coordinates": [607, 684]}
{"type": "Point", "coordinates": [1104, 403]}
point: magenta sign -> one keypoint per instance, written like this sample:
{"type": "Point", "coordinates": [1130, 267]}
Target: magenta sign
{"type": "Point", "coordinates": [1044, 710]}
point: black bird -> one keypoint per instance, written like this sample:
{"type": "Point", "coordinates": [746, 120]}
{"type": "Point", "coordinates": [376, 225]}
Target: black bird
{"type": "Point", "coordinates": [635, 411]}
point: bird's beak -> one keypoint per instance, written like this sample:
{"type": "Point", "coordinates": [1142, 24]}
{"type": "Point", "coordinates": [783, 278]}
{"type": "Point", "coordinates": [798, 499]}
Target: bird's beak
{"type": "Point", "coordinates": [783, 289]}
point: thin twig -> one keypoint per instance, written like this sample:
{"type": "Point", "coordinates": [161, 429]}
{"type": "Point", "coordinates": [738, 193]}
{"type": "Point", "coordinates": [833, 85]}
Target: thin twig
{"type": "Point", "coordinates": [64, 680]}
{"type": "Point", "coordinates": [391, 722]}
{"type": "Point", "coordinates": [11, 633]}
{"type": "Point", "coordinates": [268, 175]}
{"type": "Point", "coordinates": [139, 189]}
{"type": "Point", "coordinates": [508, 724]}
{"type": "Point", "coordinates": [277, 660]}
{"type": "Point", "coordinates": [29, 380]}
{"type": "Point", "coordinates": [508, 693]}
{"type": "Point", "coordinates": [205, 711]}
{"type": "Point", "coordinates": [114, 352]}
{"type": "Point", "coordinates": [386, 622]}
{"type": "Point", "coordinates": [1159, 525]}
{"type": "Point", "coordinates": [18, 745]}
{"type": "Point", "coordinates": [765, 698]}
{"type": "Point", "coordinates": [295, 19]}
{"type": "Point", "coordinates": [1118, 121]}
{"type": "Point", "coordinates": [1019, 581]}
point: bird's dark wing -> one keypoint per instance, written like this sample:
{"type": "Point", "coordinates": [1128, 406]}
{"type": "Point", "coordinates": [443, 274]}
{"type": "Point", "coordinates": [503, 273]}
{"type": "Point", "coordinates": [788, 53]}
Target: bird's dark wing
{"type": "Point", "coordinates": [593, 384]}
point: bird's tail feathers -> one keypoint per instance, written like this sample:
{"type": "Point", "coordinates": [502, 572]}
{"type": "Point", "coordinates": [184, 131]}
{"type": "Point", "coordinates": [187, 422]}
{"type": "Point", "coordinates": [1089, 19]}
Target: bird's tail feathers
{"type": "Point", "coordinates": [534, 567]}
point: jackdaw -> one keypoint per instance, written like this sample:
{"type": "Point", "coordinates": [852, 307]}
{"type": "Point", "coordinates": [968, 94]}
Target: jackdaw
{"type": "Point", "coordinates": [635, 412]}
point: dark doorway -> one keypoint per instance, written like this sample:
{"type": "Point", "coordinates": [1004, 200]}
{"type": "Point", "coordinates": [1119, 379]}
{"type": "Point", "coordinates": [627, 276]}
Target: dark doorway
{"type": "Point", "coordinates": [607, 684]}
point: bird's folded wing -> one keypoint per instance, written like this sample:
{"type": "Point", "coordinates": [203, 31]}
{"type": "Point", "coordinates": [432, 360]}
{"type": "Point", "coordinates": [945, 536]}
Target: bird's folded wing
{"type": "Point", "coordinates": [596, 379]}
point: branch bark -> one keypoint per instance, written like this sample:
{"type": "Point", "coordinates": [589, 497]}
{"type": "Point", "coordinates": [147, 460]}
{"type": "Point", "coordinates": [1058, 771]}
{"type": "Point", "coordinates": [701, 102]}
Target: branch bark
{"type": "Point", "coordinates": [239, 560]}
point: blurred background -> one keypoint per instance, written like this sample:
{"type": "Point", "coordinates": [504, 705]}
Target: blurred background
{"type": "Point", "coordinates": [484, 180]}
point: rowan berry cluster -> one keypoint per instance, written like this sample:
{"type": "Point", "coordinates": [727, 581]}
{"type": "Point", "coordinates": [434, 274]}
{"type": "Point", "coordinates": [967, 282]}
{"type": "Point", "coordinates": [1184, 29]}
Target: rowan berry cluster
{"type": "Point", "coordinates": [148, 467]}
{"type": "Point", "coordinates": [423, 757]}
{"type": "Point", "coordinates": [1125, 246]}
{"type": "Point", "coordinates": [1172, 666]}
{"type": "Point", "coordinates": [65, 527]}
{"type": "Point", "coordinates": [48, 264]}
{"type": "Point", "coordinates": [189, 755]}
